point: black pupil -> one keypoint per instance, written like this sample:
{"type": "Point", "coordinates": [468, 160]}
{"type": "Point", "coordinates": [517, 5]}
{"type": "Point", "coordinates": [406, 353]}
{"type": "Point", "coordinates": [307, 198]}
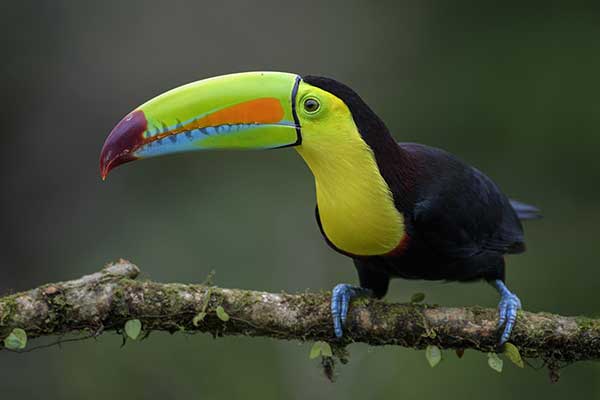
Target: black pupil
{"type": "Point", "coordinates": [311, 105]}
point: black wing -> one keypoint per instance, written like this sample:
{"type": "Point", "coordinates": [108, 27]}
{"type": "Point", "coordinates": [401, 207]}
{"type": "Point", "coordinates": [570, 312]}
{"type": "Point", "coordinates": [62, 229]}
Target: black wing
{"type": "Point", "coordinates": [459, 212]}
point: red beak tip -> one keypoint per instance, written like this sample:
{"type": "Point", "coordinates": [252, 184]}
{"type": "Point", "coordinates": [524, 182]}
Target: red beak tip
{"type": "Point", "coordinates": [104, 168]}
{"type": "Point", "coordinates": [122, 141]}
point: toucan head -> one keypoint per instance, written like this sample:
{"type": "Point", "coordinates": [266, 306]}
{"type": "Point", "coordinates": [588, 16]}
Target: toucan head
{"type": "Point", "coordinates": [251, 110]}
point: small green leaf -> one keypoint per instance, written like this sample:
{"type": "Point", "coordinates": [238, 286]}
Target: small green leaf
{"type": "Point", "coordinates": [198, 318]}
{"type": "Point", "coordinates": [320, 349]}
{"type": "Point", "coordinates": [315, 350]}
{"type": "Point", "coordinates": [16, 340]}
{"type": "Point", "coordinates": [433, 354]}
{"type": "Point", "coordinates": [512, 353]}
{"type": "Point", "coordinates": [417, 297]}
{"type": "Point", "coordinates": [326, 350]}
{"type": "Point", "coordinates": [495, 362]}
{"type": "Point", "coordinates": [222, 314]}
{"type": "Point", "coordinates": [133, 327]}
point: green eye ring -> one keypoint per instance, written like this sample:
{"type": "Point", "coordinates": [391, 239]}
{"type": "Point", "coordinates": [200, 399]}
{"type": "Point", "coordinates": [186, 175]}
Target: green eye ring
{"type": "Point", "coordinates": [311, 105]}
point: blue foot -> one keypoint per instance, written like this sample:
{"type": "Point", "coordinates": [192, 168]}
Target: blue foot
{"type": "Point", "coordinates": [507, 310]}
{"type": "Point", "coordinates": [340, 301]}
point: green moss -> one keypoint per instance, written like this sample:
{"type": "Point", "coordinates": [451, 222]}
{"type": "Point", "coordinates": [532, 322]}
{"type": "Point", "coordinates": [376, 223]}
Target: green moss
{"type": "Point", "coordinates": [9, 308]}
{"type": "Point", "coordinates": [246, 299]}
{"type": "Point", "coordinates": [173, 297]}
{"type": "Point", "coordinates": [405, 315]}
{"type": "Point", "coordinates": [587, 323]}
{"type": "Point", "coordinates": [361, 302]}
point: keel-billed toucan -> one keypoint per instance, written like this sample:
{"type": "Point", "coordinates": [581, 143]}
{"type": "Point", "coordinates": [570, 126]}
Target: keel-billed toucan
{"type": "Point", "coordinates": [399, 210]}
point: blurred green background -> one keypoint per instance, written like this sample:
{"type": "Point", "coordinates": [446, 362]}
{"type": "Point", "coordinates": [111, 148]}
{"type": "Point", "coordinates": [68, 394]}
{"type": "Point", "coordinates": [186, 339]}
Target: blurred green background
{"type": "Point", "coordinates": [514, 91]}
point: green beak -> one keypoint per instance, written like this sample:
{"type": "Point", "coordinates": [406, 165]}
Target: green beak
{"type": "Point", "coordinates": [252, 110]}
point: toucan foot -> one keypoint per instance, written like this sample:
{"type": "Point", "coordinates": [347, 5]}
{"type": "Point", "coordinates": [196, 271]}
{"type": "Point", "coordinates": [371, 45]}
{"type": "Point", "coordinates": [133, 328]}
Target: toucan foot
{"type": "Point", "coordinates": [341, 296]}
{"type": "Point", "coordinates": [507, 310]}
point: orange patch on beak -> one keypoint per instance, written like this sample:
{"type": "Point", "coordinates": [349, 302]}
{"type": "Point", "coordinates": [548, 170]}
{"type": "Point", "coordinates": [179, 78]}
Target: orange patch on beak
{"type": "Point", "coordinates": [260, 111]}
{"type": "Point", "coordinates": [267, 110]}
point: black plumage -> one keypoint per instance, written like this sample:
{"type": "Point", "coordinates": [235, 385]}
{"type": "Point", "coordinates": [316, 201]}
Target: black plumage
{"type": "Point", "coordinates": [459, 224]}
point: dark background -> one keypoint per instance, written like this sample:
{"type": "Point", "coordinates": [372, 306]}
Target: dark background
{"type": "Point", "coordinates": [514, 91]}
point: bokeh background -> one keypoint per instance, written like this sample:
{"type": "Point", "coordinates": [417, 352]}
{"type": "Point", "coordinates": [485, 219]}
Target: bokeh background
{"type": "Point", "coordinates": [514, 91]}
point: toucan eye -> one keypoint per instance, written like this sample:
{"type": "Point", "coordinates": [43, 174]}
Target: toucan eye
{"type": "Point", "coordinates": [311, 105]}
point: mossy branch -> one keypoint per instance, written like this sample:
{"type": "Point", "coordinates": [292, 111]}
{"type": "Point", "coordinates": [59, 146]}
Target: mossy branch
{"type": "Point", "coordinates": [106, 300]}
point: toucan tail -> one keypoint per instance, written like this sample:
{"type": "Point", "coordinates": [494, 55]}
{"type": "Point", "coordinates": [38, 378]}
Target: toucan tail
{"type": "Point", "coordinates": [525, 211]}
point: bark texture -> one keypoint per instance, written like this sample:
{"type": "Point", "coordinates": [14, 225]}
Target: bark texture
{"type": "Point", "coordinates": [106, 300]}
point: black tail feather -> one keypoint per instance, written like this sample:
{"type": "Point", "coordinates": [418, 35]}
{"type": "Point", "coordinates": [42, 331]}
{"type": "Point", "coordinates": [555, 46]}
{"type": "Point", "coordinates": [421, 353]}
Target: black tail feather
{"type": "Point", "coordinates": [525, 211]}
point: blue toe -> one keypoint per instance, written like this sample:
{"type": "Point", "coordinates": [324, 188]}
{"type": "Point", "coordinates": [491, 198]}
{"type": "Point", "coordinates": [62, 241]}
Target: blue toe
{"type": "Point", "coordinates": [346, 296]}
{"type": "Point", "coordinates": [508, 307]}
{"type": "Point", "coordinates": [340, 300]}
{"type": "Point", "coordinates": [501, 315]}
{"type": "Point", "coordinates": [341, 296]}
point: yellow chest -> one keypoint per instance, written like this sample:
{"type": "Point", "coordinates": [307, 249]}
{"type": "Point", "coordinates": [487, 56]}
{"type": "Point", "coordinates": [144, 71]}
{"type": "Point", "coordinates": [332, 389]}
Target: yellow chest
{"type": "Point", "coordinates": [356, 206]}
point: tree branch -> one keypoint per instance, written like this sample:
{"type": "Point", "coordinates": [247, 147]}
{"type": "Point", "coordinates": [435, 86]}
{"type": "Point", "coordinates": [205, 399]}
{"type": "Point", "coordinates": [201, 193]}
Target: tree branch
{"type": "Point", "coordinates": [106, 300]}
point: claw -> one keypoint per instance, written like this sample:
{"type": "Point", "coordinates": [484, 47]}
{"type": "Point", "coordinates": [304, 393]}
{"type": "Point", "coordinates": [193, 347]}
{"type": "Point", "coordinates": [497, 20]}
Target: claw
{"type": "Point", "coordinates": [341, 296]}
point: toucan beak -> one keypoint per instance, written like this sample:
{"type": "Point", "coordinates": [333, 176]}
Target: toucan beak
{"type": "Point", "coordinates": [252, 110]}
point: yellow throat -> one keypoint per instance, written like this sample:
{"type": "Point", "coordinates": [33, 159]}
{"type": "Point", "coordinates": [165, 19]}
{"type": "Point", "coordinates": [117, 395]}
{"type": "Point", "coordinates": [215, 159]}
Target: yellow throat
{"type": "Point", "coordinates": [356, 206]}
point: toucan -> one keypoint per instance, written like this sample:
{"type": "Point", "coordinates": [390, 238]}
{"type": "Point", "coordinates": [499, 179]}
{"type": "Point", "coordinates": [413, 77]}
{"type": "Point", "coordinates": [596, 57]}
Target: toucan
{"type": "Point", "coordinates": [399, 210]}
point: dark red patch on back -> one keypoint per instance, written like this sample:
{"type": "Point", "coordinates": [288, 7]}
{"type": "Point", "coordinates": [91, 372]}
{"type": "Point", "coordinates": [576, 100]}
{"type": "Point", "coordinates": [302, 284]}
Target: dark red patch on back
{"type": "Point", "coordinates": [123, 140]}
{"type": "Point", "coordinates": [401, 248]}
